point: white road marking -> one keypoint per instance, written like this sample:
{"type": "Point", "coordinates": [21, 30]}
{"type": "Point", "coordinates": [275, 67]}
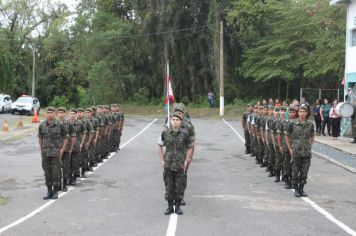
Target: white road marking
{"type": "Point", "coordinates": [172, 225]}
{"type": "Point", "coordinates": [50, 202]}
{"type": "Point", "coordinates": [307, 200]}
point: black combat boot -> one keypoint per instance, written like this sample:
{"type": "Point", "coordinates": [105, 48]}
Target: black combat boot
{"type": "Point", "coordinates": [301, 191]}
{"type": "Point", "coordinates": [271, 173]}
{"type": "Point", "coordinates": [178, 211]}
{"type": "Point", "coordinates": [257, 160]}
{"type": "Point", "coordinates": [55, 193]}
{"type": "Point", "coordinates": [296, 189]}
{"type": "Point", "coordinates": [278, 177]}
{"type": "Point", "coordinates": [170, 209]}
{"type": "Point", "coordinates": [353, 140]}
{"type": "Point", "coordinates": [287, 184]}
{"type": "Point", "coordinates": [182, 203]}
{"type": "Point", "coordinates": [64, 189]}
{"type": "Point", "coordinates": [74, 180]}
{"type": "Point", "coordinates": [49, 193]}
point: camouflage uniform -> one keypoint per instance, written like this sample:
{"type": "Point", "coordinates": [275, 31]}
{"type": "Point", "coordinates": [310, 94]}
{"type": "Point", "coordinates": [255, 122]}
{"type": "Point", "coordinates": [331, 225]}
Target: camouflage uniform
{"type": "Point", "coordinates": [261, 148]}
{"type": "Point", "coordinates": [176, 144]}
{"type": "Point", "coordinates": [52, 136]}
{"type": "Point", "coordinates": [246, 132]}
{"type": "Point", "coordinates": [300, 133]}
{"type": "Point", "coordinates": [270, 148]}
{"type": "Point", "coordinates": [84, 160]}
{"type": "Point", "coordinates": [80, 129]}
{"type": "Point", "coordinates": [93, 148]}
{"type": "Point", "coordinates": [66, 155]}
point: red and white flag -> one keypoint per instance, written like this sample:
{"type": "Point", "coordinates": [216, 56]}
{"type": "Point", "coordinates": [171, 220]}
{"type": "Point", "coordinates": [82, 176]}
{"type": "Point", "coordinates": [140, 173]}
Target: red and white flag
{"type": "Point", "coordinates": [169, 91]}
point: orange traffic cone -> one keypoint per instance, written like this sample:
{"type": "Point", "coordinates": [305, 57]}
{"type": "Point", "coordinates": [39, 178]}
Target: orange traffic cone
{"type": "Point", "coordinates": [5, 127]}
{"type": "Point", "coordinates": [35, 118]}
{"type": "Point", "coordinates": [20, 124]}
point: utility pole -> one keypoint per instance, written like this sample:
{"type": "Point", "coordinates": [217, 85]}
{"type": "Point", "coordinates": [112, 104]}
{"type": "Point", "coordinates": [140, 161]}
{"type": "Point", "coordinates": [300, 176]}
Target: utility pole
{"type": "Point", "coordinates": [221, 69]}
{"type": "Point", "coordinates": [33, 69]}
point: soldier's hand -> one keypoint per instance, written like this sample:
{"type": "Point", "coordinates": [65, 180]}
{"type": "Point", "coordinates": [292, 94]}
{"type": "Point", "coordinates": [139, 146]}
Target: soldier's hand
{"type": "Point", "coordinates": [61, 151]}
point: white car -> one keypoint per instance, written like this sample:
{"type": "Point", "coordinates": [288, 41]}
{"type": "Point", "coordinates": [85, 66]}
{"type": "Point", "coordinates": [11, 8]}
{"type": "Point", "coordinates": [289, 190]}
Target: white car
{"type": "Point", "coordinates": [5, 103]}
{"type": "Point", "coordinates": [25, 105]}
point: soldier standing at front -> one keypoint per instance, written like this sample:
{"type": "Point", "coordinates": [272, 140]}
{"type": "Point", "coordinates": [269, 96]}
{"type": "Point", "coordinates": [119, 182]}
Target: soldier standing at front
{"type": "Point", "coordinates": [52, 138]}
{"type": "Point", "coordinates": [175, 161]}
{"type": "Point", "coordinates": [301, 133]}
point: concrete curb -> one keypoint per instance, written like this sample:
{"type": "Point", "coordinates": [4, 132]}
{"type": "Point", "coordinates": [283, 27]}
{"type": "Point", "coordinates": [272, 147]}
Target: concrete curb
{"type": "Point", "coordinates": [348, 168]}
{"type": "Point", "coordinates": [339, 149]}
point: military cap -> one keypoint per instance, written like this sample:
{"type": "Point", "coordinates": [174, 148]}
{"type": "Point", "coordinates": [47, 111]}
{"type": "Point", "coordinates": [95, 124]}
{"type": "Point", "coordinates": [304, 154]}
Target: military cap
{"type": "Point", "coordinates": [175, 114]}
{"type": "Point", "coordinates": [94, 108]}
{"type": "Point", "coordinates": [178, 109]}
{"type": "Point", "coordinates": [73, 110]}
{"type": "Point", "coordinates": [63, 109]}
{"type": "Point", "coordinates": [284, 109]}
{"type": "Point", "coordinates": [80, 109]}
{"type": "Point", "coordinates": [248, 105]}
{"type": "Point", "coordinates": [50, 108]}
{"type": "Point", "coordinates": [89, 109]}
{"type": "Point", "coordinates": [292, 108]}
{"type": "Point", "coordinates": [303, 107]}
{"type": "Point", "coordinates": [265, 107]}
{"type": "Point", "coordinates": [113, 105]}
{"type": "Point", "coordinates": [255, 106]}
{"type": "Point", "coordinates": [100, 106]}
{"type": "Point", "coordinates": [270, 107]}
{"type": "Point", "coordinates": [260, 107]}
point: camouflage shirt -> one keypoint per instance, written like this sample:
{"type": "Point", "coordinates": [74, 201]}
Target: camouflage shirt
{"type": "Point", "coordinates": [283, 126]}
{"type": "Point", "coordinates": [52, 136]}
{"type": "Point", "coordinates": [70, 131]}
{"type": "Point", "coordinates": [176, 144]}
{"type": "Point", "coordinates": [80, 129]}
{"type": "Point", "coordinates": [270, 128]}
{"type": "Point", "coordinates": [89, 128]}
{"type": "Point", "coordinates": [245, 115]}
{"type": "Point", "coordinates": [190, 128]}
{"type": "Point", "coordinates": [300, 133]}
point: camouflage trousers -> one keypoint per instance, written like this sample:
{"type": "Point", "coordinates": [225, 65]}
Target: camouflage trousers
{"type": "Point", "coordinates": [65, 165]}
{"type": "Point", "coordinates": [247, 140]}
{"type": "Point", "coordinates": [260, 148]}
{"type": "Point", "coordinates": [75, 164]}
{"type": "Point", "coordinates": [84, 159]}
{"type": "Point", "coordinates": [91, 153]}
{"type": "Point", "coordinates": [175, 182]}
{"type": "Point", "coordinates": [278, 160]}
{"type": "Point", "coordinates": [255, 146]}
{"type": "Point", "coordinates": [300, 169]}
{"type": "Point", "coordinates": [271, 156]}
{"type": "Point", "coordinates": [251, 144]}
{"type": "Point", "coordinates": [286, 164]}
{"type": "Point", "coordinates": [115, 138]}
{"type": "Point", "coordinates": [265, 153]}
{"type": "Point", "coordinates": [52, 170]}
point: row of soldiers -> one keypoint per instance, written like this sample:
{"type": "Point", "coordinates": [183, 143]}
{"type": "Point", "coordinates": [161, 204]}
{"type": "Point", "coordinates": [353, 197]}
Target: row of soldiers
{"type": "Point", "coordinates": [281, 142]}
{"type": "Point", "coordinates": [74, 142]}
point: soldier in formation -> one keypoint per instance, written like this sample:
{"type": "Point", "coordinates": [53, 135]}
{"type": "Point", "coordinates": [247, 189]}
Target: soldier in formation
{"type": "Point", "coordinates": [280, 142]}
{"type": "Point", "coordinates": [74, 143]}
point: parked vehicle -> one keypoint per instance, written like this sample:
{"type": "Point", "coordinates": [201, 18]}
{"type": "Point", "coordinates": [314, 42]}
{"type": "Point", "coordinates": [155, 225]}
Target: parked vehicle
{"type": "Point", "coordinates": [25, 105]}
{"type": "Point", "coordinates": [5, 103]}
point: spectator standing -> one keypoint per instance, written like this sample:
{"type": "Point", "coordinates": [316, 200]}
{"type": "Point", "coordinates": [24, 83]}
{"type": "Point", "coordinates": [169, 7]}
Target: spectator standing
{"type": "Point", "coordinates": [277, 104]}
{"type": "Point", "coordinates": [317, 117]}
{"type": "Point", "coordinates": [335, 121]}
{"type": "Point", "coordinates": [324, 114]}
{"type": "Point", "coordinates": [211, 99]}
{"type": "Point", "coordinates": [270, 102]}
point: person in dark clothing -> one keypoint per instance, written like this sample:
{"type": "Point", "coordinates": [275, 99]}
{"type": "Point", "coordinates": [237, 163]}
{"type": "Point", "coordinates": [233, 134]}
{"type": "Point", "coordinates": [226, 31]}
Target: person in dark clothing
{"type": "Point", "coordinates": [317, 117]}
{"type": "Point", "coordinates": [325, 119]}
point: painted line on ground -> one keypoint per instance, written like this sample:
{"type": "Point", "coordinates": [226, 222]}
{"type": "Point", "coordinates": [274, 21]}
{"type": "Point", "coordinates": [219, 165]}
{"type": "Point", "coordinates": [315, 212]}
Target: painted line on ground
{"type": "Point", "coordinates": [60, 195]}
{"type": "Point", "coordinates": [172, 225]}
{"type": "Point", "coordinates": [307, 200]}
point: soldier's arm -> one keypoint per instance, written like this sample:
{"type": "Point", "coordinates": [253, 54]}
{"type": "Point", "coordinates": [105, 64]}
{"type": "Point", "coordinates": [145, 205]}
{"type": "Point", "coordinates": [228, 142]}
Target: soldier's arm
{"type": "Point", "coordinates": [311, 139]}
{"type": "Point", "coordinates": [96, 136]}
{"type": "Point", "coordinates": [40, 138]}
{"type": "Point", "coordinates": [65, 137]}
{"type": "Point", "coordinates": [160, 148]}
{"type": "Point", "coordinates": [287, 132]}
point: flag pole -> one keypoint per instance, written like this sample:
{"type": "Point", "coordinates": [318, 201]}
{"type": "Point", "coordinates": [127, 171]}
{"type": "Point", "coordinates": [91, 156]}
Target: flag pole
{"type": "Point", "coordinates": [167, 92]}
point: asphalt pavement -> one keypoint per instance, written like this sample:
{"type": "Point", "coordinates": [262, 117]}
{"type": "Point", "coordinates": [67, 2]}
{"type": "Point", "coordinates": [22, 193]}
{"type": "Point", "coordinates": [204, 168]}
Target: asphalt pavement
{"type": "Point", "coordinates": [227, 193]}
